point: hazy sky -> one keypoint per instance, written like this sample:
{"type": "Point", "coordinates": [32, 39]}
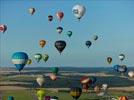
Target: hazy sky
{"type": "Point", "coordinates": [111, 20]}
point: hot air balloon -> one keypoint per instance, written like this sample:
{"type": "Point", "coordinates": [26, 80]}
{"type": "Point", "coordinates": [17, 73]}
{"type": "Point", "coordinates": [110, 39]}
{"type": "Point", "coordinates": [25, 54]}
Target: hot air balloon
{"type": "Point", "coordinates": [50, 18]}
{"type": "Point", "coordinates": [47, 98]}
{"type": "Point", "coordinates": [79, 11]}
{"type": "Point", "coordinates": [45, 57]}
{"type": "Point", "coordinates": [109, 60]}
{"type": "Point", "coordinates": [121, 57]}
{"type": "Point", "coordinates": [97, 89]}
{"type": "Point", "coordinates": [19, 59]}
{"type": "Point", "coordinates": [42, 43]}
{"type": "Point", "coordinates": [85, 81]}
{"type": "Point", "coordinates": [3, 28]}
{"type": "Point", "coordinates": [131, 74]}
{"type": "Point", "coordinates": [105, 86]}
{"type": "Point", "coordinates": [95, 37]}
{"type": "Point", "coordinates": [123, 98]}
{"type": "Point", "coordinates": [41, 94]}
{"type": "Point", "coordinates": [38, 57]}
{"type": "Point", "coordinates": [122, 69]}
{"type": "Point", "coordinates": [54, 98]}
{"type": "Point", "coordinates": [40, 80]}
{"type": "Point", "coordinates": [69, 33]}
{"type": "Point", "coordinates": [31, 10]}
{"type": "Point", "coordinates": [60, 45]}
{"type": "Point", "coordinates": [88, 43]}
{"type": "Point", "coordinates": [75, 92]}
{"type": "Point", "coordinates": [59, 29]}
{"type": "Point", "coordinates": [29, 61]}
{"type": "Point", "coordinates": [53, 77]}
{"type": "Point", "coordinates": [55, 70]}
{"type": "Point", "coordinates": [116, 67]}
{"type": "Point", "coordinates": [60, 15]}
{"type": "Point", "coordinates": [10, 98]}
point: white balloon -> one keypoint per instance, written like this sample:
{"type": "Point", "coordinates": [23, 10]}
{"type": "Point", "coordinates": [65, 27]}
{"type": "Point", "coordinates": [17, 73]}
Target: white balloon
{"type": "Point", "coordinates": [131, 74]}
{"type": "Point", "coordinates": [40, 80]}
{"type": "Point", "coordinates": [121, 57]}
{"type": "Point", "coordinates": [104, 86]}
{"type": "Point", "coordinates": [79, 11]}
{"type": "Point", "coordinates": [31, 10]}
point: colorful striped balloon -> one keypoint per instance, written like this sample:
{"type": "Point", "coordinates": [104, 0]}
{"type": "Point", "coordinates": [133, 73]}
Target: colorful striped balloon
{"type": "Point", "coordinates": [19, 59]}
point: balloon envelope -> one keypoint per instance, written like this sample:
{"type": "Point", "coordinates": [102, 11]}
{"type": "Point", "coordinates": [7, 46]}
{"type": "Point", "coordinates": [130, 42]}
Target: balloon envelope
{"type": "Point", "coordinates": [116, 67]}
{"type": "Point", "coordinates": [109, 60]}
{"type": "Point", "coordinates": [59, 29]}
{"type": "Point", "coordinates": [95, 37]}
{"type": "Point", "coordinates": [104, 87]}
{"type": "Point", "coordinates": [31, 10]}
{"type": "Point", "coordinates": [79, 11]}
{"type": "Point", "coordinates": [123, 98]}
{"type": "Point", "coordinates": [41, 94]}
{"type": "Point", "coordinates": [121, 57]}
{"type": "Point", "coordinates": [42, 43]}
{"type": "Point", "coordinates": [50, 18]}
{"type": "Point", "coordinates": [55, 70]}
{"type": "Point", "coordinates": [60, 15]}
{"type": "Point", "coordinates": [88, 43]}
{"type": "Point", "coordinates": [122, 68]}
{"type": "Point", "coordinates": [69, 33]}
{"type": "Point", "coordinates": [19, 59]}
{"type": "Point", "coordinates": [131, 74]}
{"type": "Point", "coordinates": [60, 45]}
{"type": "Point", "coordinates": [29, 61]}
{"type": "Point", "coordinates": [85, 80]}
{"type": "Point", "coordinates": [3, 28]}
{"type": "Point", "coordinates": [53, 77]}
{"type": "Point", "coordinates": [45, 57]}
{"type": "Point", "coordinates": [38, 57]}
{"type": "Point", "coordinates": [10, 98]}
{"type": "Point", "coordinates": [40, 80]}
{"type": "Point", "coordinates": [75, 92]}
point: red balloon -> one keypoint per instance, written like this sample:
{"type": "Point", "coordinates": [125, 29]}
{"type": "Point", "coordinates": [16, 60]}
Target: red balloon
{"type": "Point", "coordinates": [60, 15]}
{"type": "Point", "coordinates": [3, 28]}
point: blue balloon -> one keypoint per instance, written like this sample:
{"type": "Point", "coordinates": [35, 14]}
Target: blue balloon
{"type": "Point", "coordinates": [19, 59]}
{"type": "Point", "coordinates": [116, 68]}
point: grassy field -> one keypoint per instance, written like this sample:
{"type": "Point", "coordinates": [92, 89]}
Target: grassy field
{"type": "Point", "coordinates": [31, 95]}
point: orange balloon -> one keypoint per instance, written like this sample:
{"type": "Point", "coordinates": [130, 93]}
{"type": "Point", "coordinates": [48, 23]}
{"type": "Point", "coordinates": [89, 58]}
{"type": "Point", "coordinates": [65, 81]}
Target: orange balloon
{"type": "Point", "coordinates": [123, 98]}
{"type": "Point", "coordinates": [42, 43]}
{"type": "Point", "coordinates": [53, 77]}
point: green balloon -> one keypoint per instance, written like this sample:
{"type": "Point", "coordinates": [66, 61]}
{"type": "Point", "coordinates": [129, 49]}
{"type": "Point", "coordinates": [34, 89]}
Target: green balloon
{"type": "Point", "coordinates": [45, 57]}
{"type": "Point", "coordinates": [10, 98]}
{"type": "Point", "coordinates": [38, 57]}
{"type": "Point", "coordinates": [41, 94]}
{"type": "Point", "coordinates": [69, 33]}
{"type": "Point", "coordinates": [55, 70]}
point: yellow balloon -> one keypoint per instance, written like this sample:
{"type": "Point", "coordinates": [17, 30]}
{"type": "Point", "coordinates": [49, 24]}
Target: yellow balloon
{"type": "Point", "coordinates": [41, 94]}
{"type": "Point", "coordinates": [29, 62]}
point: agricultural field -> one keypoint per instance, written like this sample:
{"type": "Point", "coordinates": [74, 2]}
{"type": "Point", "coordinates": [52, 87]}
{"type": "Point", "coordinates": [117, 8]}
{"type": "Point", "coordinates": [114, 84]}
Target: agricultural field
{"type": "Point", "coordinates": [31, 95]}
